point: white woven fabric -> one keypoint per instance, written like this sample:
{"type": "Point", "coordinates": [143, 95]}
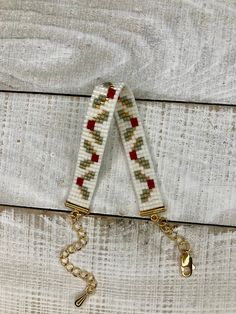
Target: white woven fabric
{"type": "Point", "coordinates": [109, 100]}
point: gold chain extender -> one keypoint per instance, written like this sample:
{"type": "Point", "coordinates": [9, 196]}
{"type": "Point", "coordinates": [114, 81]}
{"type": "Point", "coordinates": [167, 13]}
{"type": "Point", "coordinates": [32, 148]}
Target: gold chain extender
{"type": "Point", "coordinates": [91, 283]}
{"type": "Point", "coordinates": [186, 265]}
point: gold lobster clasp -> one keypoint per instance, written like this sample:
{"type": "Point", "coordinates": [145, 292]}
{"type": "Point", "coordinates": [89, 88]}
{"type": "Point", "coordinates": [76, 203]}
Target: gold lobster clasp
{"type": "Point", "coordinates": [186, 264]}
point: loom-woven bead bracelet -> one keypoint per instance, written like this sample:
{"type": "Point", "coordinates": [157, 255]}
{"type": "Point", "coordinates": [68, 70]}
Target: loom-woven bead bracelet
{"type": "Point", "coordinates": [109, 100]}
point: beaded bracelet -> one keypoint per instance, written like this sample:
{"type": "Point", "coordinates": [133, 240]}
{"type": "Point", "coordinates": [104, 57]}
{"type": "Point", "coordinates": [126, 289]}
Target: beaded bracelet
{"type": "Point", "coordinates": [117, 100]}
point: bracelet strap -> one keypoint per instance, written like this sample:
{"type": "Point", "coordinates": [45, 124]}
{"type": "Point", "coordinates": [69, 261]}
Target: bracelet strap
{"type": "Point", "coordinates": [117, 100]}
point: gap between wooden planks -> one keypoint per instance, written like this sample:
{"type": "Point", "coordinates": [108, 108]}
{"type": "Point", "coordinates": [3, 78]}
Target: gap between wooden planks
{"type": "Point", "coordinates": [136, 98]}
{"type": "Point", "coordinates": [47, 211]}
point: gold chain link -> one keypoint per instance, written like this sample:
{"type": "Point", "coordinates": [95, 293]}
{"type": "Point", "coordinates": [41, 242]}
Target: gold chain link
{"type": "Point", "coordinates": [89, 278]}
{"type": "Point", "coordinates": [183, 245]}
{"type": "Point", "coordinates": [91, 283]}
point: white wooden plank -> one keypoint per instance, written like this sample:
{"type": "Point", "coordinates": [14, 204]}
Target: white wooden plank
{"type": "Point", "coordinates": [165, 49]}
{"type": "Point", "coordinates": [193, 149]}
{"type": "Point", "coordinates": [136, 267]}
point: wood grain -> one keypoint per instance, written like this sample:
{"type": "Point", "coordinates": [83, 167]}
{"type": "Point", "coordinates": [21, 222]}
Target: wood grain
{"type": "Point", "coordinates": [193, 149]}
{"type": "Point", "coordinates": [165, 49]}
{"type": "Point", "coordinates": [136, 267]}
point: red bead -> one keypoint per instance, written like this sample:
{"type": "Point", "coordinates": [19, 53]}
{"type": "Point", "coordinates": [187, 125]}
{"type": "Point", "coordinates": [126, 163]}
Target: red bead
{"type": "Point", "coordinates": [133, 155]}
{"type": "Point", "coordinates": [151, 183]}
{"type": "Point", "coordinates": [134, 122]}
{"type": "Point", "coordinates": [95, 157]}
{"type": "Point", "coordinates": [80, 181]}
{"type": "Point", "coordinates": [111, 92]}
{"type": "Point", "coordinates": [91, 124]}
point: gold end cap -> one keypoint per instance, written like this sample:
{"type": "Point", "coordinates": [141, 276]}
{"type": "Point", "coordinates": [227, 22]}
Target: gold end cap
{"type": "Point", "coordinates": [80, 209]}
{"type": "Point", "coordinates": [152, 211]}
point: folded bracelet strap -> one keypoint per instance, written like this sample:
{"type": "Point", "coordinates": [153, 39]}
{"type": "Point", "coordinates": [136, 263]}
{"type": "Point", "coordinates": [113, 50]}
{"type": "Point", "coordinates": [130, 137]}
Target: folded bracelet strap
{"type": "Point", "coordinates": [117, 100]}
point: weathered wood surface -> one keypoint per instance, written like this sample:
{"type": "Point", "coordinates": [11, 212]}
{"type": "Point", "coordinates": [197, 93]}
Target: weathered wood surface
{"type": "Point", "coordinates": [193, 149]}
{"type": "Point", "coordinates": [165, 49]}
{"type": "Point", "coordinates": [135, 265]}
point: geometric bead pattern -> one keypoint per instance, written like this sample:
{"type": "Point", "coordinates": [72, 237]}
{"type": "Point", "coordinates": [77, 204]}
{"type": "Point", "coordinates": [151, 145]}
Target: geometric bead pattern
{"type": "Point", "coordinates": [107, 101]}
